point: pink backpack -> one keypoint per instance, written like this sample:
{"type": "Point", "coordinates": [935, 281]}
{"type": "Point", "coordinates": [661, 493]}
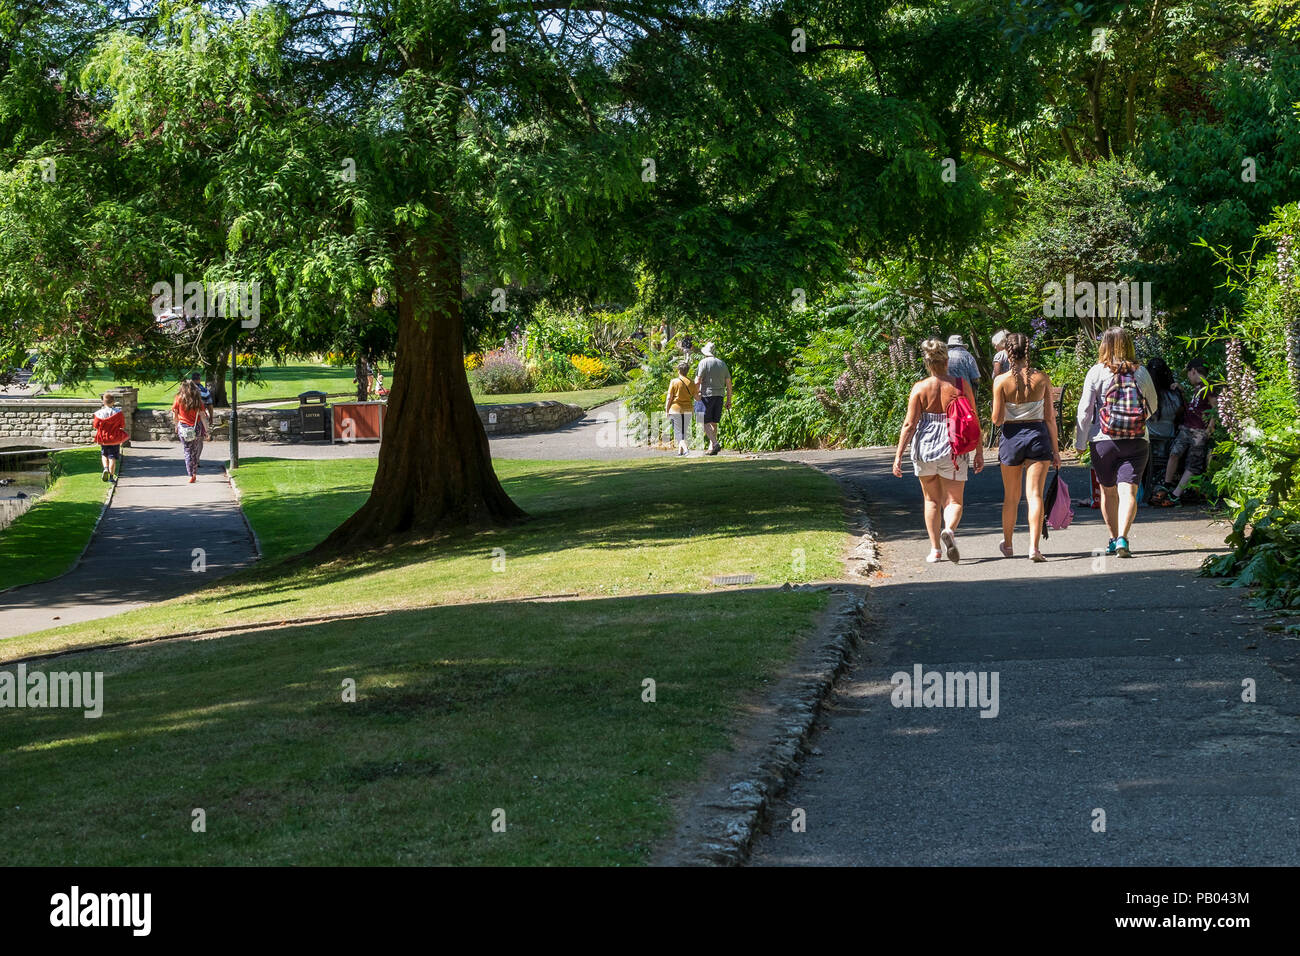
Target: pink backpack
{"type": "Point", "coordinates": [1057, 512]}
{"type": "Point", "coordinates": [963, 426]}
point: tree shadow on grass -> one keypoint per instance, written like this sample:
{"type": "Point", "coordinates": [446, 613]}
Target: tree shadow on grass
{"type": "Point", "coordinates": [520, 704]}
{"type": "Point", "coordinates": [575, 506]}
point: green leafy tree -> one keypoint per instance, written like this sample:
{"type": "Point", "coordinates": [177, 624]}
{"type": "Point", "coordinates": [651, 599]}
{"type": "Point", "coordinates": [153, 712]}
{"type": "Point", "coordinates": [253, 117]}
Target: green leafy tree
{"type": "Point", "coordinates": [431, 149]}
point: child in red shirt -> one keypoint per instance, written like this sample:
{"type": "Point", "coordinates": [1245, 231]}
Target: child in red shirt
{"type": "Point", "coordinates": [110, 432]}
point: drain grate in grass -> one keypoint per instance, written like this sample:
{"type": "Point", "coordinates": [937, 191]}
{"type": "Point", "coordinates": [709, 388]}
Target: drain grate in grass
{"type": "Point", "coordinates": [733, 579]}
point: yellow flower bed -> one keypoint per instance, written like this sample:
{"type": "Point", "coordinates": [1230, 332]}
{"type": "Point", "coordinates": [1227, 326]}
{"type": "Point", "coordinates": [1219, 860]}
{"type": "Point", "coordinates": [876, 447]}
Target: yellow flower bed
{"type": "Point", "coordinates": [589, 367]}
{"type": "Point", "coordinates": [472, 361]}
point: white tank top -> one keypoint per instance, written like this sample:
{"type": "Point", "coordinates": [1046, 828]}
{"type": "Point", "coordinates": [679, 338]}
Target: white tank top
{"type": "Point", "coordinates": [1025, 411]}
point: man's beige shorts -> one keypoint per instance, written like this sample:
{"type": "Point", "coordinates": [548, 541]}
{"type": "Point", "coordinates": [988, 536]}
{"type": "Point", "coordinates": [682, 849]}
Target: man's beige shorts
{"type": "Point", "coordinates": [943, 467]}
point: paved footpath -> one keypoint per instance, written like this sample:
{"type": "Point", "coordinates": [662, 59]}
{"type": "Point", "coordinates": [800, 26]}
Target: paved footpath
{"type": "Point", "coordinates": [143, 550]}
{"type": "Point", "coordinates": [1120, 690]}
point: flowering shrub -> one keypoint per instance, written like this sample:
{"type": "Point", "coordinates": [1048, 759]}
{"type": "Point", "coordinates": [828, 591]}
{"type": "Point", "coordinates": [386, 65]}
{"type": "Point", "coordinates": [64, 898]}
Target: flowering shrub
{"type": "Point", "coordinates": [503, 371]}
{"type": "Point", "coordinates": [1259, 405]}
{"type": "Point", "coordinates": [588, 367]}
{"type": "Point", "coordinates": [596, 372]}
{"type": "Point", "coordinates": [869, 398]}
{"type": "Point", "coordinates": [473, 360]}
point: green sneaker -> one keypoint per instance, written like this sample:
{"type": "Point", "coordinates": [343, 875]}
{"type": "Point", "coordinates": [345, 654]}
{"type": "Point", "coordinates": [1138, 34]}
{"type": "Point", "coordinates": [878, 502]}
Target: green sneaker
{"type": "Point", "coordinates": [1121, 548]}
{"type": "Point", "coordinates": [1111, 547]}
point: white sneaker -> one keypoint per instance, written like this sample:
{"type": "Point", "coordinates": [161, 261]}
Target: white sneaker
{"type": "Point", "coordinates": [949, 541]}
{"type": "Point", "coordinates": [935, 557]}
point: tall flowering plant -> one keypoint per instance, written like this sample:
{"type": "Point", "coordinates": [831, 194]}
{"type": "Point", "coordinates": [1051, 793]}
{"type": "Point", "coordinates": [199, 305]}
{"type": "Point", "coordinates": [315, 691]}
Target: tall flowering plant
{"type": "Point", "coordinates": [1259, 405]}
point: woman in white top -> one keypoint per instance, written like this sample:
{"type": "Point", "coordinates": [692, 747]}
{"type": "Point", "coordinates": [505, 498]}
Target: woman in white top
{"type": "Point", "coordinates": [925, 431]}
{"type": "Point", "coordinates": [1118, 397]}
{"type": "Point", "coordinates": [1022, 405]}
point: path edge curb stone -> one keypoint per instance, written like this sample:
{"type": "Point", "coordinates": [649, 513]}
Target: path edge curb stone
{"type": "Point", "coordinates": [239, 506]}
{"type": "Point", "coordinates": [737, 818]}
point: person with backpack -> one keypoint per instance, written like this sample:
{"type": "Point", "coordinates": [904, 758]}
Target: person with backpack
{"type": "Point", "coordinates": [109, 422]}
{"type": "Point", "coordinates": [679, 406]}
{"type": "Point", "coordinates": [1118, 397]}
{"type": "Point", "coordinates": [187, 413]}
{"type": "Point", "coordinates": [941, 430]}
{"type": "Point", "coordinates": [1022, 405]}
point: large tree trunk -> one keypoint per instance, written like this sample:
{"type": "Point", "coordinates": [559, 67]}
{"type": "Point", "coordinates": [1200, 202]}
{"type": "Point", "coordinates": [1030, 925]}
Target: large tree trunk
{"type": "Point", "coordinates": [435, 468]}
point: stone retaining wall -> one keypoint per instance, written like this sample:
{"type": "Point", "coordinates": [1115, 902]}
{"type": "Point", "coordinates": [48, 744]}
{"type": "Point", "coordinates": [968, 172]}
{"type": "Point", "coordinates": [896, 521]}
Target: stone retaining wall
{"type": "Point", "coordinates": [527, 417]}
{"type": "Point", "coordinates": [65, 420]}
{"type": "Point", "coordinates": [255, 424]}
{"type": "Point", "coordinates": [68, 421]}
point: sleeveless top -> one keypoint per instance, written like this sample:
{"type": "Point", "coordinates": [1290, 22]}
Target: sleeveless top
{"type": "Point", "coordinates": [930, 440]}
{"type": "Point", "coordinates": [1024, 411]}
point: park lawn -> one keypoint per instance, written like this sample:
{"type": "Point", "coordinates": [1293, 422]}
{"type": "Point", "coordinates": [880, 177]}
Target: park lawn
{"type": "Point", "coordinates": [46, 539]}
{"type": "Point", "coordinates": [598, 529]}
{"type": "Point", "coordinates": [286, 382]}
{"type": "Point", "coordinates": [584, 398]}
{"type": "Point", "coordinates": [535, 710]}
{"type": "Point", "coordinates": [462, 713]}
{"type": "Point", "coordinates": [289, 381]}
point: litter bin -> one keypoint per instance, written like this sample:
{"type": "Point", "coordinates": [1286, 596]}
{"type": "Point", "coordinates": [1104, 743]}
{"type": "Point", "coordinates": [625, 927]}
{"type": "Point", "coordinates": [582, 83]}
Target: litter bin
{"type": "Point", "coordinates": [311, 416]}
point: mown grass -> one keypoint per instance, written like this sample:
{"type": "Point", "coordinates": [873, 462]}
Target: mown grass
{"type": "Point", "coordinates": [289, 381]}
{"type": "Point", "coordinates": [46, 539]}
{"type": "Point", "coordinates": [535, 709]}
{"type": "Point", "coordinates": [584, 398]}
{"type": "Point", "coordinates": [597, 529]}
{"type": "Point", "coordinates": [279, 382]}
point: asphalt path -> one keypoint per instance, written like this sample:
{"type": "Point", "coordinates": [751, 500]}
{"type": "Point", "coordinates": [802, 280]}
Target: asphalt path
{"type": "Point", "coordinates": [1120, 701]}
{"type": "Point", "coordinates": [159, 538]}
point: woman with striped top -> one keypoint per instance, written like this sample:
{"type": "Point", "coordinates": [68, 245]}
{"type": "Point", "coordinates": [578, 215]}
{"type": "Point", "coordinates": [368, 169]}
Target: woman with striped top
{"type": "Point", "coordinates": [925, 432]}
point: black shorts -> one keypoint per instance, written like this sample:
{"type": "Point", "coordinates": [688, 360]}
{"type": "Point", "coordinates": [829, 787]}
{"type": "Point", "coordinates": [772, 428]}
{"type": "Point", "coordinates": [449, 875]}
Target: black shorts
{"type": "Point", "coordinates": [1024, 442]}
{"type": "Point", "coordinates": [1120, 461]}
{"type": "Point", "coordinates": [110, 451]}
{"type": "Point", "coordinates": [713, 409]}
